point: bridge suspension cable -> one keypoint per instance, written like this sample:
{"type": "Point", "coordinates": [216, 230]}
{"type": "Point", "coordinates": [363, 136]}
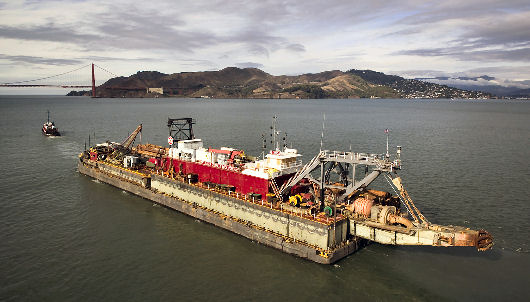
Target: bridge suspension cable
{"type": "Point", "coordinates": [46, 78]}
{"type": "Point", "coordinates": [69, 82]}
{"type": "Point", "coordinates": [106, 70]}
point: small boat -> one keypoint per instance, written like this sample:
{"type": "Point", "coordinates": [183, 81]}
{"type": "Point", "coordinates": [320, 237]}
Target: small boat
{"type": "Point", "coordinates": [49, 128]}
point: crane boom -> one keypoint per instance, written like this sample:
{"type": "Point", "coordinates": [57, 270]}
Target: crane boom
{"type": "Point", "coordinates": [130, 140]}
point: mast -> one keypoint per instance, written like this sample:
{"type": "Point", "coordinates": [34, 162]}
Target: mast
{"type": "Point", "coordinates": [387, 154]}
{"type": "Point", "coordinates": [274, 134]}
{"type": "Point", "coordinates": [323, 128]}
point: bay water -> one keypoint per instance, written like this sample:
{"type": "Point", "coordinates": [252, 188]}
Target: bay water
{"type": "Point", "coordinates": [67, 237]}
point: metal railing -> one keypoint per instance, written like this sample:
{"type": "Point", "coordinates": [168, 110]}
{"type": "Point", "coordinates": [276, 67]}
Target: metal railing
{"type": "Point", "coordinates": [291, 165]}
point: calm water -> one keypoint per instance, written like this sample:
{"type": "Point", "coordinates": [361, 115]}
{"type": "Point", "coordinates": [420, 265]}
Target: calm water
{"type": "Point", "coordinates": [65, 237]}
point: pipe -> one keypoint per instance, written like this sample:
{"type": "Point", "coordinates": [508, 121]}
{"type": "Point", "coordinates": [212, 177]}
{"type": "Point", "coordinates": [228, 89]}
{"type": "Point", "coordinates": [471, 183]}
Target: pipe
{"type": "Point", "coordinates": [401, 220]}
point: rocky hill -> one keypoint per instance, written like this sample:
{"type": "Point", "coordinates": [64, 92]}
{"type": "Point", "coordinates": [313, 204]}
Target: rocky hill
{"type": "Point", "coordinates": [232, 82]}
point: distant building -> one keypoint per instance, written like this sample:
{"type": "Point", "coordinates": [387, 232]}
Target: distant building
{"type": "Point", "coordinates": [156, 90]}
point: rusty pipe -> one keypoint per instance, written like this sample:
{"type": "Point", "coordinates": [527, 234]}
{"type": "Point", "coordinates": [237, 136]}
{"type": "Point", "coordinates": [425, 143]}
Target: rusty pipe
{"type": "Point", "coordinates": [392, 218]}
{"type": "Point", "coordinates": [484, 240]}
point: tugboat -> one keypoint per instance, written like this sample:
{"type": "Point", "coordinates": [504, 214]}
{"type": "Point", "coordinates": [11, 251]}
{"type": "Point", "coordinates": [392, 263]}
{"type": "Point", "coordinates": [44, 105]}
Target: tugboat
{"type": "Point", "coordinates": [49, 128]}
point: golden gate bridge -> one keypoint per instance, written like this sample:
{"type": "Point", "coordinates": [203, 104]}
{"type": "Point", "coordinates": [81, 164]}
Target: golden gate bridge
{"type": "Point", "coordinates": [62, 78]}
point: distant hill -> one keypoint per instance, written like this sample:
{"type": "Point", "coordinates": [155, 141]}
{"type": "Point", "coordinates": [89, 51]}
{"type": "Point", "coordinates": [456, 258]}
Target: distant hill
{"type": "Point", "coordinates": [412, 88]}
{"type": "Point", "coordinates": [487, 84]}
{"type": "Point", "coordinates": [498, 90]}
{"type": "Point", "coordinates": [232, 82]}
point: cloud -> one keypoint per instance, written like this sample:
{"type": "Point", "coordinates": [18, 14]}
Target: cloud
{"type": "Point", "coordinates": [41, 60]}
{"type": "Point", "coordinates": [436, 12]}
{"type": "Point", "coordinates": [513, 31]}
{"type": "Point", "coordinates": [477, 77]}
{"type": "Point", "coordinates": [46, 32]}
{"type": "Point", "coordinates": [468, 54]}
{"type": "Point", "coordinates": [312, 14]}
{"type": "Point", "coordinates": [295, 47]}
{"type": "Point", "coordinates": [286, 36]}
{"type": "Point", "coordinates": [148, 29]}
{"type": "Point", "coordinates": [491, 32]}
{"type": "Point", "coordinates": [249, 65]}
{"type": "Point", "coordinates": [67, 62]}
{"type": "Point", "coordinates": [113, 59]}
{"type": "Point", "coordinates": [501, 69]}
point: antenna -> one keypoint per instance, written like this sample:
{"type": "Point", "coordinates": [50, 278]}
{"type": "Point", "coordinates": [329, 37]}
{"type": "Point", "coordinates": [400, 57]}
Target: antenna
{"type": "Point", "coordinates": [387, 154]}
{"type": "Point", "coordinates": [274, 131]}
{"type": "Point", "coordinates": [274, 134]}
{"type": "Point", "coordinates": [323, 128]}
{"type": "Point", "coordinates": [264, 141]}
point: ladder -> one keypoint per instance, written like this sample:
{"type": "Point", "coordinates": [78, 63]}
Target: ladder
{"type": "Point", "coordinates": [276, 189]}
{"type": "Point", "coordinates": [301, 173]}
{"type": "Point", "coordinates": [406, 200]}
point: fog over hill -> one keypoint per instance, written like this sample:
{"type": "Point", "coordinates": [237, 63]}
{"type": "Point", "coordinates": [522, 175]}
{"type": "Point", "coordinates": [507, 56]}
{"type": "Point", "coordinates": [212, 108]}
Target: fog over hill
{"type": "Point", "coordinates": [486, 83]}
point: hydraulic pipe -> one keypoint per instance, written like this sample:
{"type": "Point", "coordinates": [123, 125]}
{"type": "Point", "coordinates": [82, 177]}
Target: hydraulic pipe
{"type": "Point", "coordinates": [401, 220]}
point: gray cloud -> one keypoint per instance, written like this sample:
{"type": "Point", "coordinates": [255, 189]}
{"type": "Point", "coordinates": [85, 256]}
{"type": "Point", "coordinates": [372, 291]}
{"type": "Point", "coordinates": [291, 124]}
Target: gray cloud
{"type": "Point", "coordinates": [40, 60]}
{"type": "Point", "coordinates": [498, 55]}
{"type": "Point", "coordinates": [249, 65]}
{"type": "Point", "coordinates": [475, 31]}
{"type": "Point", "coordinates": [148, 29]}
{"type": "Point", "coordinates": [135, 29]}
{"type": "Point", "coordinates": [480, 76]}
{"type": "Point", "coordinates": [308, 13]}
{"type": "Point", "coordinates": [435, 12]}
{"type": "Point", "coordinates": [295, 47]}
{"type": "Point", "coordinates": [47, 32]}
{"type": "Point", "coordinates": [524, 82]}
{"type": "Point", "coordinates": [110, 59]}
{"type": "Point", "coordinates": [501, 69]}
{"type": "Point", "coordinates": [506, 31]}
{"type": "Point", "coordinates": [67, 62]}
{"type": "Point", "coordinates": [197, 64]}
{"type": "Point", "coordinates": [469, 54]}
{"type": "Point", "coordinates": [258, 50]}
{"type": "Point", "coordinates": [511, 75]}
{"type": "Point", "coordinates": [488, 31]}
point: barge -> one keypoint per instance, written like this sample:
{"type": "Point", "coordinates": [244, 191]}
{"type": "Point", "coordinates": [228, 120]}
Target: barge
{"type": "Point", "coordinates": [323, 210]}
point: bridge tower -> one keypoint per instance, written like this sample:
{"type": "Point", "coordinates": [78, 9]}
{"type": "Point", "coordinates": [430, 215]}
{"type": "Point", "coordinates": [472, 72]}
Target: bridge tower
{"type": "Point", "coordinates": [93, 82]}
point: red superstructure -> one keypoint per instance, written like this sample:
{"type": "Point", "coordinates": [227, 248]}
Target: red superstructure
{"type": "Point", "coordinates": [231, 168]}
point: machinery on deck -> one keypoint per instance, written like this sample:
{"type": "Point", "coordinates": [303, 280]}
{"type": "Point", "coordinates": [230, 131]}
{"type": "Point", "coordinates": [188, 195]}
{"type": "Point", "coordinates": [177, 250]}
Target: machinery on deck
{"type": "Point", "coordinates": [116, 153]}
{"type": "Point", "coordinates": [374, 215]}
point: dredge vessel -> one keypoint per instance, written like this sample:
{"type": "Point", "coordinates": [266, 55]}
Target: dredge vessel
{"type": "Point", "coordinates": [322, 210]}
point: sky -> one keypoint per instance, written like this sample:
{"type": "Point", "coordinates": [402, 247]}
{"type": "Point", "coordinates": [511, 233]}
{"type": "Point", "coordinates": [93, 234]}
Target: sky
{"type": "Point", "coordinates": [282, 37]}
